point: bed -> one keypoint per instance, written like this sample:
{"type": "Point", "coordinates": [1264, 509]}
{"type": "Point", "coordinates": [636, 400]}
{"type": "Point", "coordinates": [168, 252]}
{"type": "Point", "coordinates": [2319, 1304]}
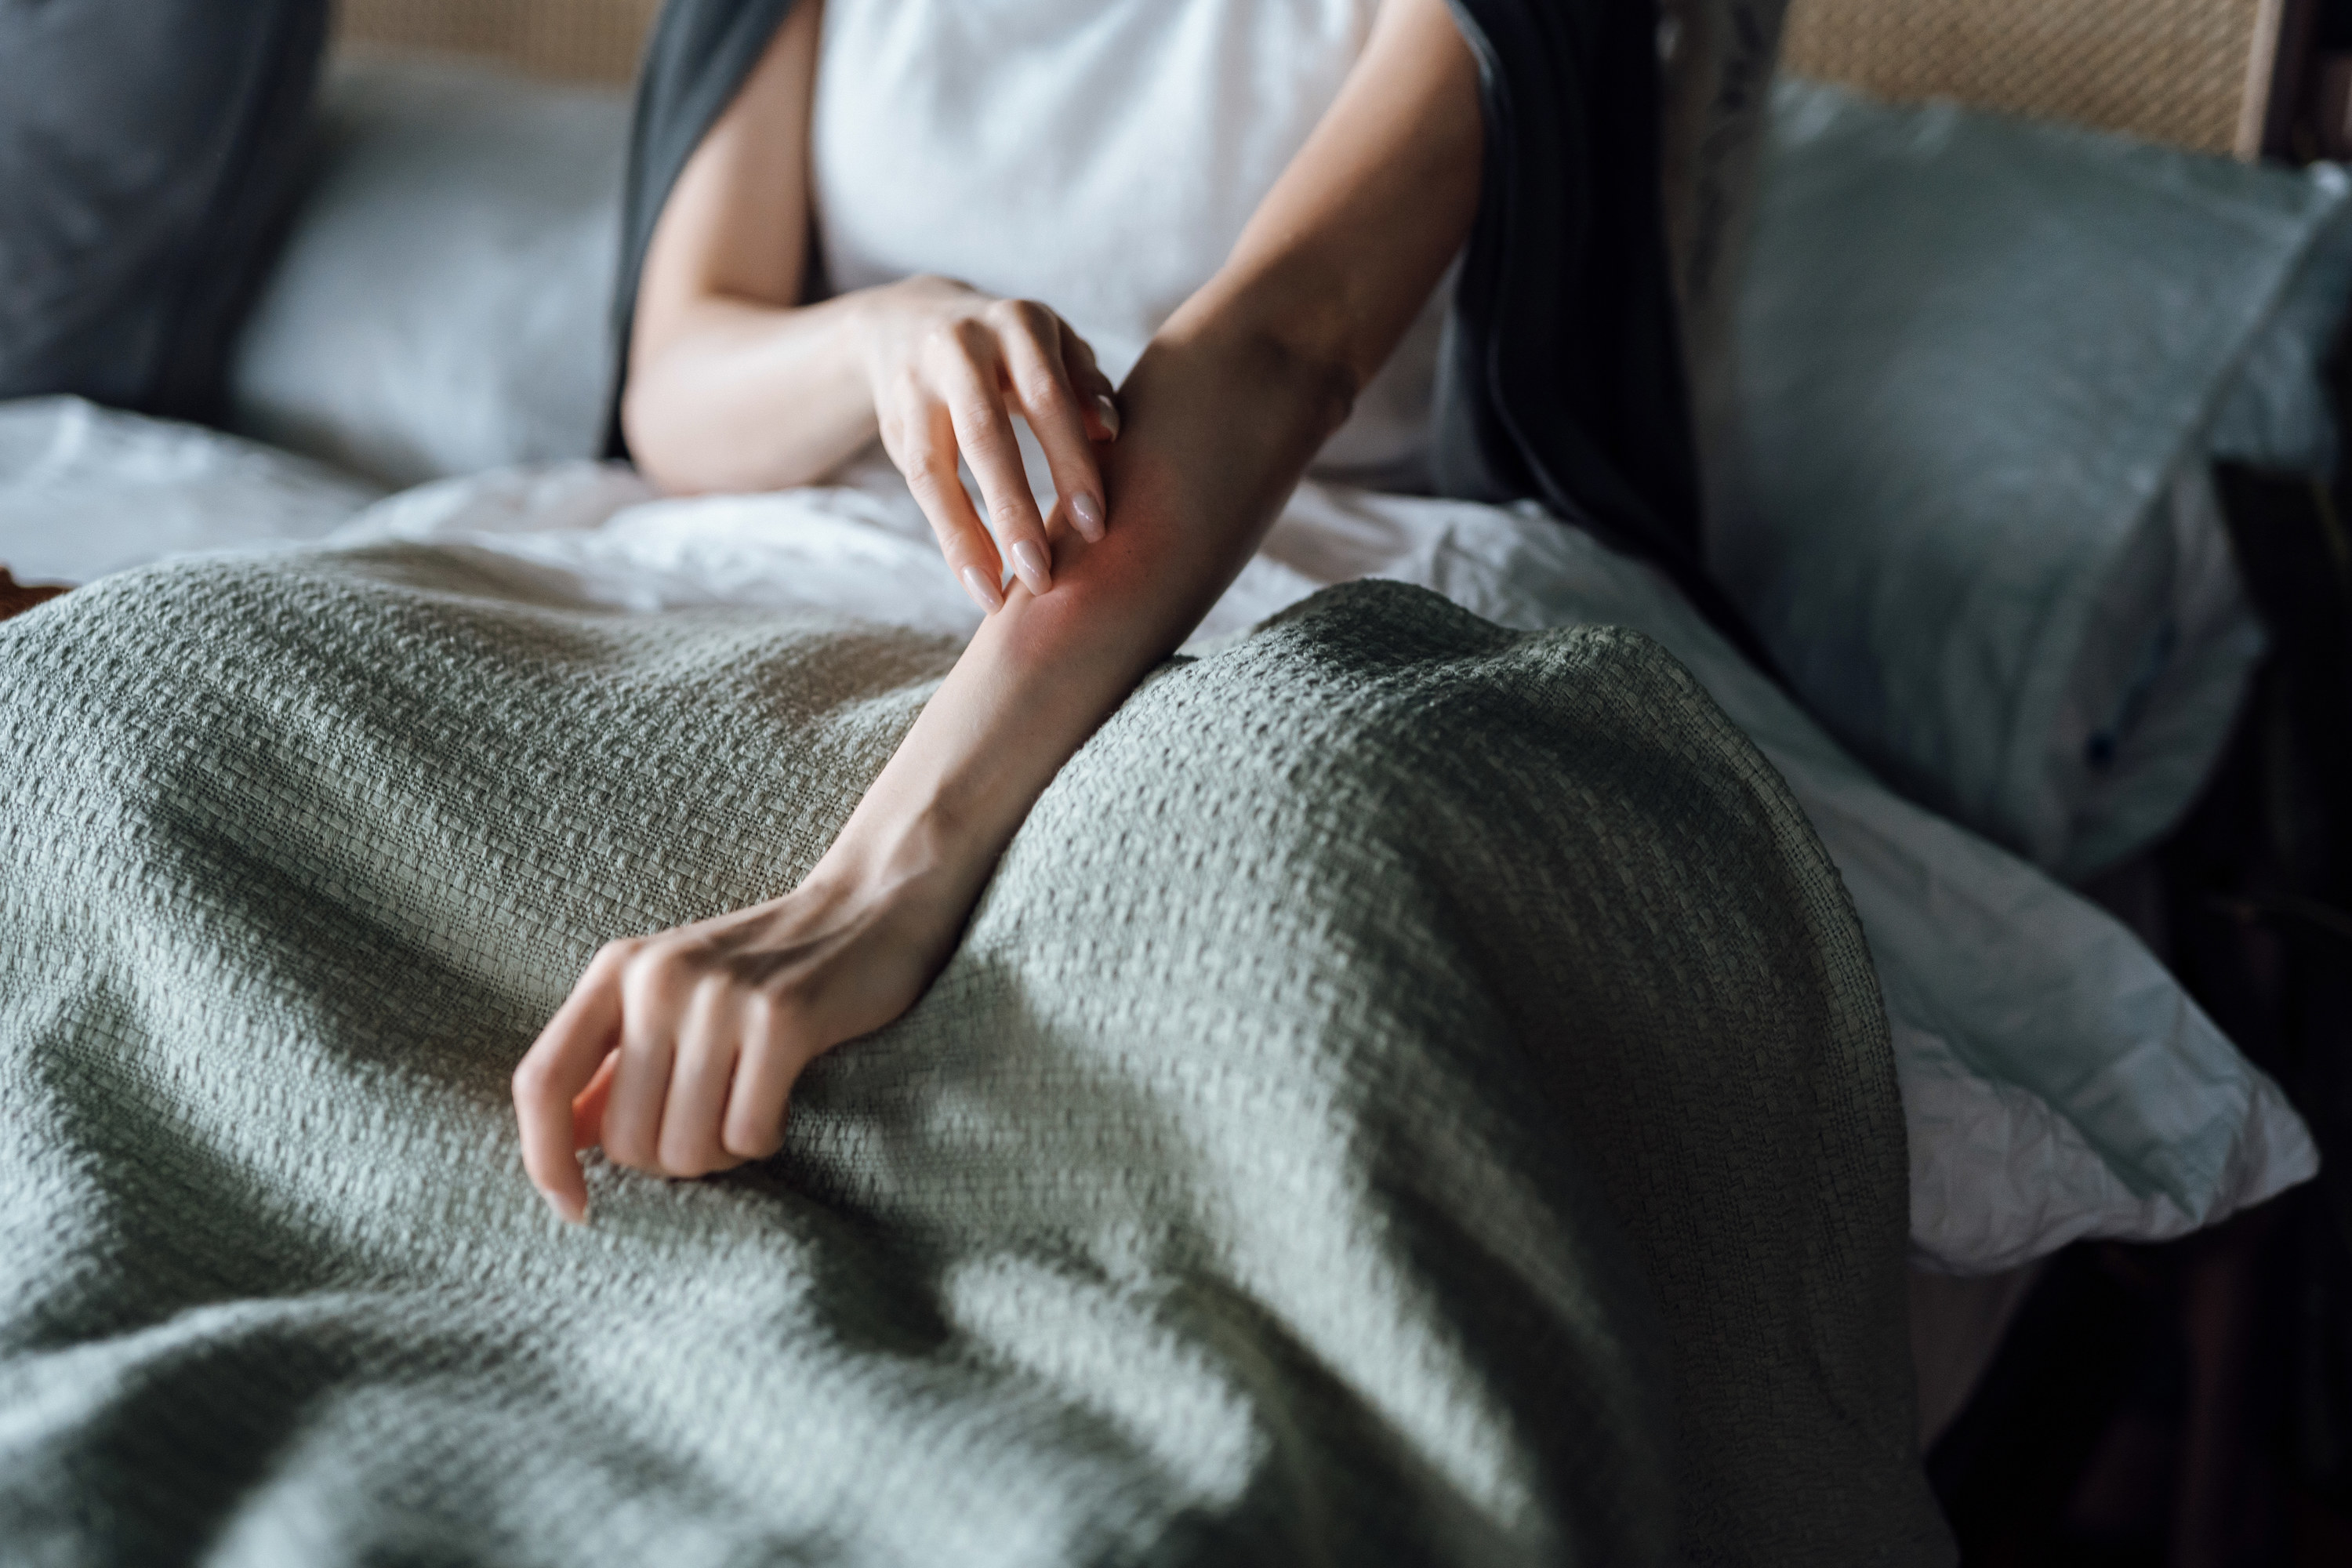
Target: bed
{"type": "Point", "coordinates": [1117, 1354]}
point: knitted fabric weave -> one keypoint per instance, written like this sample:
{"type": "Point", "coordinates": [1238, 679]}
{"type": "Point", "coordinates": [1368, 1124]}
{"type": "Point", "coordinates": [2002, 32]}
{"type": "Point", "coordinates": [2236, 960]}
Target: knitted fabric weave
{"type": "Point", "coordinates": [1412, 1092]}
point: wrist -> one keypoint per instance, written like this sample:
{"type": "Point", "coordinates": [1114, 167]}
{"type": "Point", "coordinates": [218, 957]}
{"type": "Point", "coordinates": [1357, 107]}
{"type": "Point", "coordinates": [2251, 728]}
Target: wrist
{"type": "Point", "coordinates": [900, 841]}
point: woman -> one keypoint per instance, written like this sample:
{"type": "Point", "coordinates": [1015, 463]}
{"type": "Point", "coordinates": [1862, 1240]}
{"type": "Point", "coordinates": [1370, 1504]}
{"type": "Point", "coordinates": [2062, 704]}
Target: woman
{"type": "Point", "coordinates": [678, 1053]}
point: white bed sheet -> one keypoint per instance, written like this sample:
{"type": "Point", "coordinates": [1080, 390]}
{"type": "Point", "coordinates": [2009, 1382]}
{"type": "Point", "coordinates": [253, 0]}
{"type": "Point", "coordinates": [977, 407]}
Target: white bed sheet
{"type": "Point", "coordinates": [2056, 1081]}
{"type": "Point", "coordinates": [85, 491]}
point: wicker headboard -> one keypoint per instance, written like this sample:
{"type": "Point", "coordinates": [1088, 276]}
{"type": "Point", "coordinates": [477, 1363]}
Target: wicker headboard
{"type": "Point", "coordinates": [2197, 73]}
{"type": "Point", "coordinates": [587, 40]}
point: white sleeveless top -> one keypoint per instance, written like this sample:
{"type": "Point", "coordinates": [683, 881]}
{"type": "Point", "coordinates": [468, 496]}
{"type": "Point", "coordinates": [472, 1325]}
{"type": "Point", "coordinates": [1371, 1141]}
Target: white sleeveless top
{"type": "Point", "coordinates": [1099, 155]}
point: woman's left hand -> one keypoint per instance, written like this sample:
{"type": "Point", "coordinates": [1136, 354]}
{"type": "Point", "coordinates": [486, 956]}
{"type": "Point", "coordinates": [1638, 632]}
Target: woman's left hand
{"type": "Point", "coordinates": [677, 1054]}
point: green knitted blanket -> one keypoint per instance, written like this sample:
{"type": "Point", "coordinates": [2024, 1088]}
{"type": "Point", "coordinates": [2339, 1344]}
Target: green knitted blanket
{"type": "Point", "coordinates": [1412, 1093]}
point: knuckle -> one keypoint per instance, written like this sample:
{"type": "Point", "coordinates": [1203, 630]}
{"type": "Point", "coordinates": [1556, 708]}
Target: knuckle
{"type": "Point", "coordinates": [923, 470]}
{"type": "Point", "coordinates": [1044, 391]}
{"type": "Point", "coordinates": [763, 1017]}
{"type": "Point", "coordinates": [655, 969]}
{"type": "Point", "coordinates": [940, 339]}
{"type": "Point", "coordinates": [981, 415]}
{"type": "Point", "coordinates": [966, 338]}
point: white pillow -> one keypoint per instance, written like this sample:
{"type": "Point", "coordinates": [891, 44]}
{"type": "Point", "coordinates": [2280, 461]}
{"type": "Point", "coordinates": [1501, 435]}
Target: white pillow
{"type": "Point", "coordinates": [441, 304]}
{"type": "Point", "coordinates": [1978, 362]}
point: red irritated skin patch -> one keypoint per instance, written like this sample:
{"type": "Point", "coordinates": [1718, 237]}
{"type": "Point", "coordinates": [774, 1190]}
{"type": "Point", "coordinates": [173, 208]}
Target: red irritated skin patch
{"type": "Point", "coordinates": [16, 597]}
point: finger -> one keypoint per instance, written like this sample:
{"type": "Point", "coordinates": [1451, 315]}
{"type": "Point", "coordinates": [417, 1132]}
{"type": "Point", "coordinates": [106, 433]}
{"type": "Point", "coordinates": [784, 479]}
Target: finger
{"type": "Point", "coordinates": [653, 999]}
{"type": "Point", "coordinates": [701, 1069]}
{"type": "Point", "coordinates": [1032, 359]}
{"type": "Point", "coordinates": [774, 1052]}
{"type": "Point", "coordinates": [921, 441]}
{"type": "Point", "coordinates": [972, 384]}
{"type": "Point", "coordinates": [588, 1106]}
{"type": "Point", "coordinates": [1097, 395]}
{"type": "Point", "coordinates": [560, 1064]}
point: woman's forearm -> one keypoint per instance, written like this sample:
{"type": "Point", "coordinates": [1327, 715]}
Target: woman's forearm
{"type": "Point", "coordinates": [745, 397]}
{"type": "Point", "coordinates": [1221, 419]}
{"type": "Point", "coordinates": [1224, 413]}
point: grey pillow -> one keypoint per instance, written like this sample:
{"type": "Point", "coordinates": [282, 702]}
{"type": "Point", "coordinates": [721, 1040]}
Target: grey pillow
{"type": "Point", "coordinates": [441, 305]}
{"type": "Point", "coordinates": [1979, 362]}
{"type": "Point", "coordinates": [148, 149]}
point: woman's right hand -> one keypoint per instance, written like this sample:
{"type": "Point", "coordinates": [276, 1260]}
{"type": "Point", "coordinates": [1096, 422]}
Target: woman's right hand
{"type": "Point", "coordinates": [949, 366]}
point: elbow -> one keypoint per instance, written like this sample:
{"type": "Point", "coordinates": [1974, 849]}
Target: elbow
{"type": "Point", "coordinates": [651, 440]}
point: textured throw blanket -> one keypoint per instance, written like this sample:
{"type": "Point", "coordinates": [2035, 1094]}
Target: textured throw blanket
{"type": "Point", "coordinates": [1412, 1093]}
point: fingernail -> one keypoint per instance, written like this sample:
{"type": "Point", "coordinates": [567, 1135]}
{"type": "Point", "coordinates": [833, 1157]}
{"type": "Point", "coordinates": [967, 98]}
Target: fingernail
{"type": "Point", "coordinates": [983, 592]}
{"type": "Point", "coordinates": [1086, 512]}
{"type": "Point", "coordinates": [1029, 560]}
{"type": "Point", "coordinates": [1110, 412]}
{"type": "Point", "coordinates": [563, 1210]}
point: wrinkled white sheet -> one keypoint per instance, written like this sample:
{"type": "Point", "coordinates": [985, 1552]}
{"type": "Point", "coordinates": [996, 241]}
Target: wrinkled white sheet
{"type": "Point", "coordinates": [2057, 1081]}
{"type": "Point", "coordinates": [85, 491]}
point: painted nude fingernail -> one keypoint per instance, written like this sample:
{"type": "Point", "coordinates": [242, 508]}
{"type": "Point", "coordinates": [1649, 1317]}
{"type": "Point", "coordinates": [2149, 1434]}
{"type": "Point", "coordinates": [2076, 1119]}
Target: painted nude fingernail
{"type": "Point", "coordinates": [1029, 560]}
{"type": "Point", "coordinates": [1086, 512]}
{"type": "Point", "coordinates": [984, 592]}
{"type": "Point", "coordinates": [1110, 412]}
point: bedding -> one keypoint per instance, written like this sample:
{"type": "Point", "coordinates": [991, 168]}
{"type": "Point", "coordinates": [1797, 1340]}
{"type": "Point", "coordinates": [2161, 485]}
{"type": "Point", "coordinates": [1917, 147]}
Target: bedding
{"type": "Point", "coordinates": [2057, 1083]}
{"type": "Point", "coordinates": [439, 306]}
{"type": "Point", "coordinates": [438, 313]}
{"type": "Point", "coordinates": [148, 153]}
{"type": "Point", "coordinates": [1412, 1091]}
{"type": "Point", "coordinates": [85, 491]}
{"type": "Point", "coordinates": [1984, 363]}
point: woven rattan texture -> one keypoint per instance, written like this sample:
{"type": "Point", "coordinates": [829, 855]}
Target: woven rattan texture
{"type": "Point", "coordinates": [589, 40]}
{"type": "Point", "coordinates": [2181, 71]}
